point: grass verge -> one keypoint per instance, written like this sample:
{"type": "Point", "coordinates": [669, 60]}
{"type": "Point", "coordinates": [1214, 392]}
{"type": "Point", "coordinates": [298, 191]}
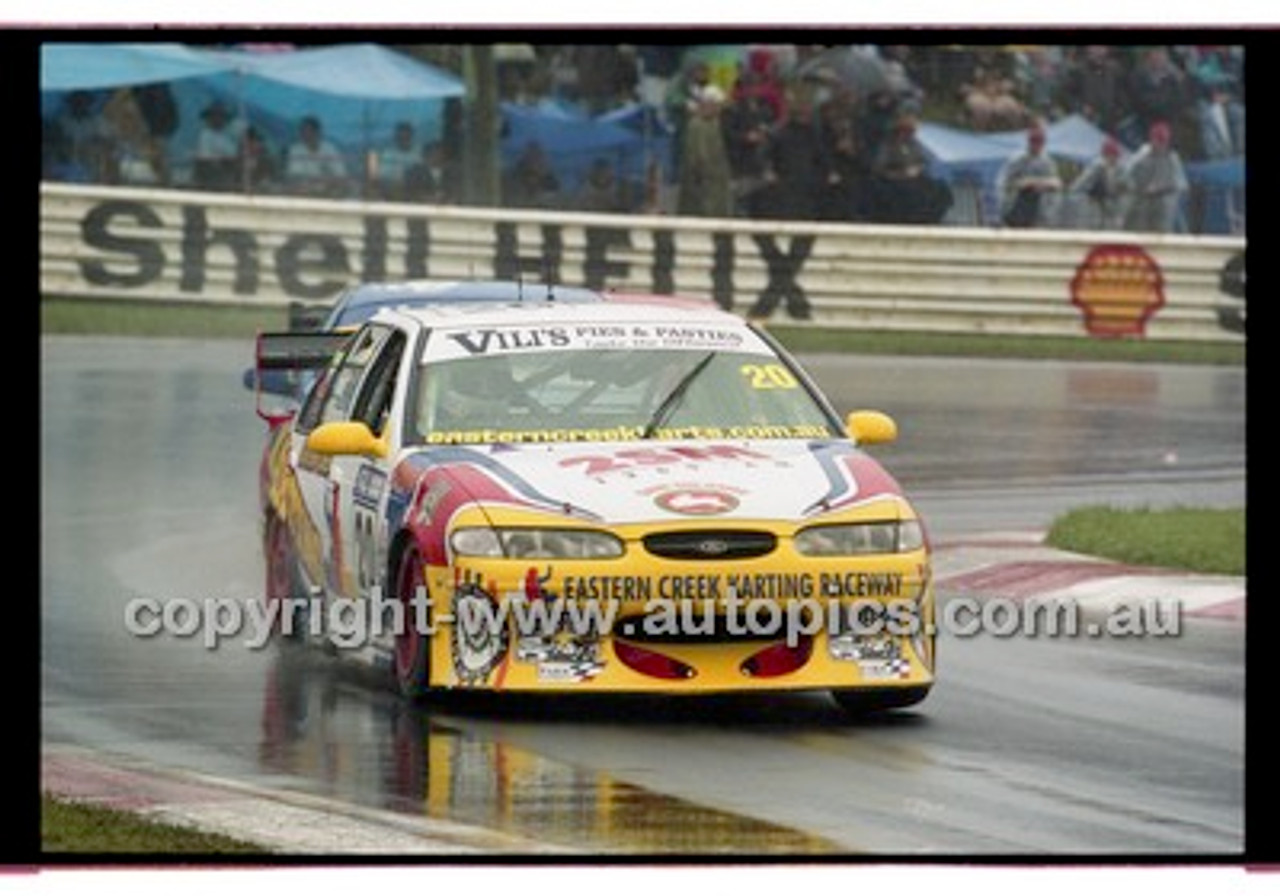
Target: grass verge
{"type": "Point", "coordinates": [139, 318]}
{"type": "Point", "coordinates": [69, 827]}
{"type": "Point", "coordinates": [1187, 538]}
{"type": "Point", "coordinates": [1060, 348]}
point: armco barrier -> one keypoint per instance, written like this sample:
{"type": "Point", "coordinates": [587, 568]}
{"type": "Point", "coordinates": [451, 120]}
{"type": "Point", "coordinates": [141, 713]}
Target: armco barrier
{"type": "Point", "coordinates": [169, 245]}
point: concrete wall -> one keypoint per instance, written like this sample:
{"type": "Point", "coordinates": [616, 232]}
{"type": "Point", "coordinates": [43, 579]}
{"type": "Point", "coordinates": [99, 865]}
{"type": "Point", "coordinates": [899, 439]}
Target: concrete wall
{"type": "Point", "coordinates": [168, 245]}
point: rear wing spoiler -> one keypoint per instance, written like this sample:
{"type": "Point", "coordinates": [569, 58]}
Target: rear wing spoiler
{"type": "Point", "coordinates": [285, 365]}
{"type": "Point", "coordinates": [299, 350]}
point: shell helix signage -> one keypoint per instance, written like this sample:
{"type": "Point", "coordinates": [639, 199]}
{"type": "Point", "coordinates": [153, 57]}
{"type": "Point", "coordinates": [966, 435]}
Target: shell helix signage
{"type": "Point", "coordinates": [1117, 288]}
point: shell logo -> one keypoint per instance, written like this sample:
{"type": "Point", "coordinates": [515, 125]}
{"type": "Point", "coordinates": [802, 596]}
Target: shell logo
{"type": "Point", "coordinates": [1118, 288]}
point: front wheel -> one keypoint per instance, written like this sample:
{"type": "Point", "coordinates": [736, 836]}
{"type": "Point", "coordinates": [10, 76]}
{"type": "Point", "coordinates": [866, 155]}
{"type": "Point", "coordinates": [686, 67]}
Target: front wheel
{"type": "Point", "coordinates": [412, 652]}
{"type": "Point", "coordinates": [864, 701]}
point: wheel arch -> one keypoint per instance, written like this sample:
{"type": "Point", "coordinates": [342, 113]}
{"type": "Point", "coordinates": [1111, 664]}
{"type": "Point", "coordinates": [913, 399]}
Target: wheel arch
{"type": "Point", "coordinates": [400, 542]}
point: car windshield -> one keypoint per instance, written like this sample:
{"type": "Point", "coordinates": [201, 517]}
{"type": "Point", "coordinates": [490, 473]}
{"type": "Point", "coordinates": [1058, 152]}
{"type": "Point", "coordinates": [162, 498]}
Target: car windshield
{"type": "Point", "coordinates": [575, 395]}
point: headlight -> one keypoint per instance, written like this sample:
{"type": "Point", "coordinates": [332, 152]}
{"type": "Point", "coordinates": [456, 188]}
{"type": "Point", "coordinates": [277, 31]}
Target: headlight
{"type": "Point", "coordinates": [889, 537]}
{"type": "Point", "coordinates": [535, 543]}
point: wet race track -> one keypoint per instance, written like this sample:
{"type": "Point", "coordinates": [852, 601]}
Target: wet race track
{"type": "Point", "coordinates": [1057, 746]}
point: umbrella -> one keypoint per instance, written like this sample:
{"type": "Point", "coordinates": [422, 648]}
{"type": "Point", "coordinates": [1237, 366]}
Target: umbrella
{"type": "Point", "coordinates": [855, 67]}
{"type": "Point", "coordinates": [723, 61]}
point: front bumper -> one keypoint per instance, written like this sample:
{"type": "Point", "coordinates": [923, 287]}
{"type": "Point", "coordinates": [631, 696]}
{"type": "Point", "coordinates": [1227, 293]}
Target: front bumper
{"type": "Point", "coordinates": [770, 624]}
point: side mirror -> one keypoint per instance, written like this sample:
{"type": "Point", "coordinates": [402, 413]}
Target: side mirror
{"type": "Point", "coordinates": [346, 437]}
{"type": "Point", "coordinates": [871, 427]}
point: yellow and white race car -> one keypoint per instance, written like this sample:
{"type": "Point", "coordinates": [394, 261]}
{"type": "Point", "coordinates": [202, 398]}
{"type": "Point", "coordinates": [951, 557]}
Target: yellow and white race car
{"type": "Point", "coordinates": [637, 494]}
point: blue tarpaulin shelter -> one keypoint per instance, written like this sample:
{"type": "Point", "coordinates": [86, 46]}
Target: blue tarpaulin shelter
{"type": "Point", "coordinates": [90, 66]}
{"type": "Point", "coordinates": [1218, 173]}
{"type": "Point", "coordinates": [358, 91]}
{"type": "Point", "coordinates": [630, 138]}
{"type": "Point", "coordinates": [1222, 207]}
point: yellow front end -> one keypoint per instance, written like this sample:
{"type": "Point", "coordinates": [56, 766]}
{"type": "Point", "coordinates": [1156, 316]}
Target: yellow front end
{"type": "Point", "coordinates": [779, 620]}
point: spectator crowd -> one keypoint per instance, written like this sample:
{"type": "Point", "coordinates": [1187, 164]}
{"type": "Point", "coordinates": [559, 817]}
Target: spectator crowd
{"type": "Point", "coordinates": [793, 132]}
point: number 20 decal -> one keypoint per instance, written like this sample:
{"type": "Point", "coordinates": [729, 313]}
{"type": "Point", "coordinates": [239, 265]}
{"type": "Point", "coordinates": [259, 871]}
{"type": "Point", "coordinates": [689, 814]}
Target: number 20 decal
{"type": "Point", "coordinates": [768, 376]}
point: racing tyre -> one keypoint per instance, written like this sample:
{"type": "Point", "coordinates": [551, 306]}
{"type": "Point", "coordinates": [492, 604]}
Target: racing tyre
{"type": "Point", "coordinates": [283, 581]}
{"type": "Point", "coordinates": [864, 701]}
{"type": "Point", "coordinates": [411, 654]}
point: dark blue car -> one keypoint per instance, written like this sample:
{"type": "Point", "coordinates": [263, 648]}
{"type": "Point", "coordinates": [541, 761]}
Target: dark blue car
{"type": "Point", "coordinates": [357, 304]}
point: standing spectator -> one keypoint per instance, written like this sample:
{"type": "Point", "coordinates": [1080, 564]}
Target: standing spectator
{"type": "Point", "coordinates": [748, 121]}
{"type": "Point", "coordinates": [1159, 183]}
{"type": "Point", "coordinates": [217, 153]}
{"type": "Point", "coordinates": [848, 166]}
{"type": "Point", "coordinates": [679, 102]}
{"type": "Point", "coordinates": [760, 81]}
{"type": "Point", "coordinates": [530, 183]}
{"type": "Point", "coordinates": [706, 186]}
{"type": "Point", "coordinates": [758, 105]}
{"type": "Point", "coordinates": [1029, 185]}
{"type": "Point", "coordinates": [795, 177]}
{"type": "Point", "coordinates": [684, 87]}
{"type": "Point", "coordinates": [1220, 111]}
{"type": "Point", "coordinates": [1101, 192]}
{"type": "Point", "coordinates": [796, 169]}
{"type": "Point", "coordinates": [1221, 120]}
{"type": "Point", "coordinates": [1094, 86]}
{"type": "Point", "coordinates": [393, 162]}
{"type": "Point", "coordinates": [902, 192]}
{"type": "Point", "coordinates": [313, 166]}
{"type": "Point", "coordinates": [794, 183]}
{"type": "Point", "coordinates": [1159, 91]}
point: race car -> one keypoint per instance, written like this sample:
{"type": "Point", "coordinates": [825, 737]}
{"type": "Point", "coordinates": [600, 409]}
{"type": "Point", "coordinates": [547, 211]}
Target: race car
{"type": "Point", "coordinates": [627, 495]}
{"type": "Point", "coordinates": [355, 304]}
